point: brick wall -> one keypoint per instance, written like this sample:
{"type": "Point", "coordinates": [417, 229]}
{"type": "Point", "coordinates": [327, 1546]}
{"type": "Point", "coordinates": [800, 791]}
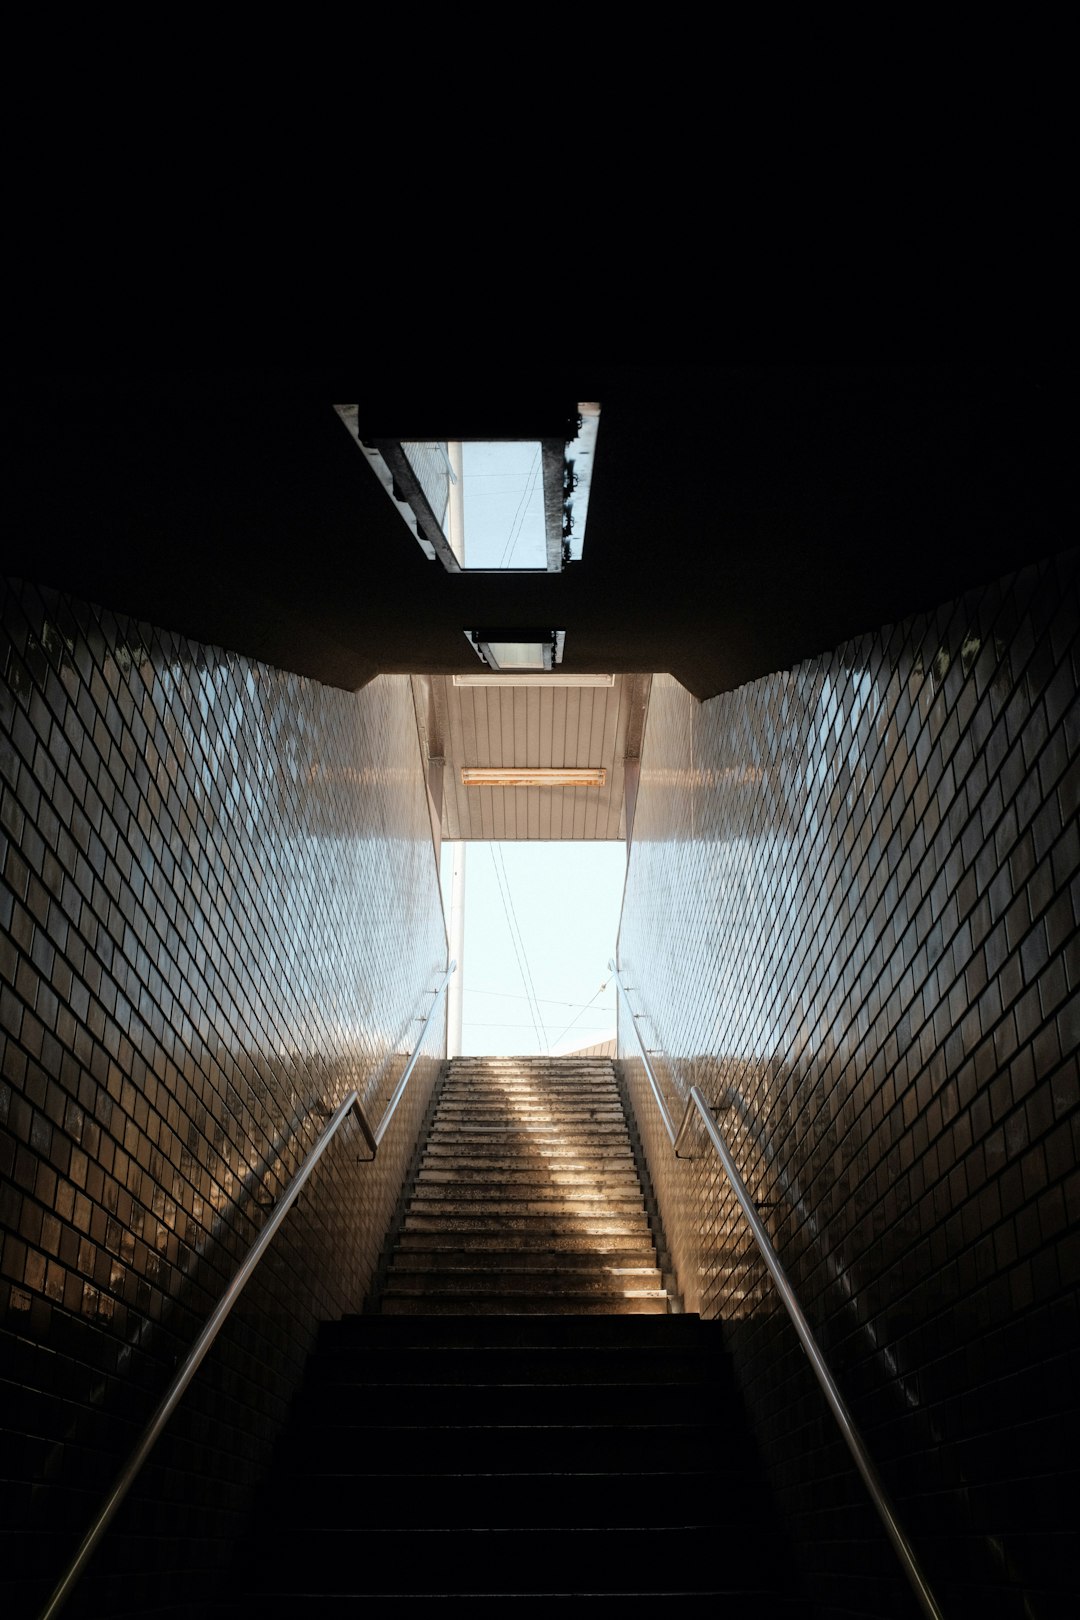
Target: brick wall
{"type": "Point", "coordinates": [219, 911]}
{"type": "Point", "coordinates": [852, 918]}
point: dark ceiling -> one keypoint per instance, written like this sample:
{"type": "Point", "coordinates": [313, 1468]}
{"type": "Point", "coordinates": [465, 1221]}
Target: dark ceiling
{"type": "Point", "coordinates": [741, 518]}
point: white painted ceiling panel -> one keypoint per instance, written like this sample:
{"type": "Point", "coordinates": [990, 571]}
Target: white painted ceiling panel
{"type": "Point", "coordinates": [536, 725]}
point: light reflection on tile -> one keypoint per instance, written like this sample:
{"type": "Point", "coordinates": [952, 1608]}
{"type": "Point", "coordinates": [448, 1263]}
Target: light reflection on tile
{"type": "Point", "coordinates": [852, 912]}
{"type": "Point", "coordinates": [218, 912]}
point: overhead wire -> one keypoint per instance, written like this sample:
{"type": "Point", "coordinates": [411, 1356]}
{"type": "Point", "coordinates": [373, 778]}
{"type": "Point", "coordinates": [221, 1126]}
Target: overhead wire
{"type": "Point", "coordinates": [518, 519]}
{"type": "Point", "coordinates": [512, 995]}
{"type": "Point", "coordinates": [574, 1020]}
{"type": "Point", "coordinates": [531, 986]}
{"type": "Point", "coordinates": [526, 977]}
{"type": "Point", "coordinates": [487, 1023]}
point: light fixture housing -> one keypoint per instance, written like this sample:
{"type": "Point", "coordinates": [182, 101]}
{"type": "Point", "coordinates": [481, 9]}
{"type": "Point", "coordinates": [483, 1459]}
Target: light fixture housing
{"type": "Point", "coordinates": [518, 650]}
{"type": "Point", "coordinates": [528, 776]}
{"type": "Point", "coordinates": [532, 678]}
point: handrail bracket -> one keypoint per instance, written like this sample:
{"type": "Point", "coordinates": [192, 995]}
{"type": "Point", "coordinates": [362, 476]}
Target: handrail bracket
{"type": "Point", "coordinates": [369, 1134]}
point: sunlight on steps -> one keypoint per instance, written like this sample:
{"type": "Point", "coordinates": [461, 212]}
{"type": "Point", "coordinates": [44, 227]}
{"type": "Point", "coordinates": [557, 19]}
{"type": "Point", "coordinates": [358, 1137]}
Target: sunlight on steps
{"type": "Point", "coordinates": [527, 1199]}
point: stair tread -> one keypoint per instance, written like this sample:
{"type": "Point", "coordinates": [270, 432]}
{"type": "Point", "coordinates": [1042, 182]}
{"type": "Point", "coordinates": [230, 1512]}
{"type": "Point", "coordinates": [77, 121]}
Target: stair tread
{"type": "Point", "coordinates": [682, 1331]}
{"type": "Point", "coordinates": [537, 1169]}
{"type": "Point", "coordinates": [543, 1259]}
{"type": "Point", "coordinates": [534, 1193]}
{"type": "Point", "coordinates": [617, 1183]}
{"type": "Point", "coordinates": [511, 1262]}
{"type": "Point", "coordinates": [570, 1284]}
{"type": "Point", "coordinates": [524, 1242]}
{"type": "Point", "coordinates": [534, 1363]}
{"type": "Point", "coordinates": [531, 1130]}
{"type": "Point", "coordinates": [447, 1216]}
{"type": "Point", "coordinates": [510, 1304]}
{"type": "Point", "coordinates": [426, 1192]}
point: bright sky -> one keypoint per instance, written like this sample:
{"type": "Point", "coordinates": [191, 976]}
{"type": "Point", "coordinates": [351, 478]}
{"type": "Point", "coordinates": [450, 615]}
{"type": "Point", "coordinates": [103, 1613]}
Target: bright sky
{"type": "Point", "coordinates": [540, 926]}
{"type": "Point", "coordinates": [504, 505]}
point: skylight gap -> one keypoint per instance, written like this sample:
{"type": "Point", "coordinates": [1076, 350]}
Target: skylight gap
{"type": "Point", "coordinates": [494, 506]}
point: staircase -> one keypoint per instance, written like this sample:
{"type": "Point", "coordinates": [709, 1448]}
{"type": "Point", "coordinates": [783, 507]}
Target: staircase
{"type": "Point", "coordinates": [520, 1417]}
{"type": "Point", "coordinates": [527, 1199]}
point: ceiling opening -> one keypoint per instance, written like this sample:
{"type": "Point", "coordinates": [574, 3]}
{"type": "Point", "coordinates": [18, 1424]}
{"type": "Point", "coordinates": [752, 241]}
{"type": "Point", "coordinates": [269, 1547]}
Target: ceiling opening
{"type": "Point", "coordinates": [490, 505]}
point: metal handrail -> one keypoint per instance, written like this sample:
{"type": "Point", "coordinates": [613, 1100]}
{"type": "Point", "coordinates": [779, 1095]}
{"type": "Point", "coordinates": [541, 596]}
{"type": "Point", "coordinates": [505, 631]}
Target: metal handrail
{"type": "Point", "coordinates": [216, 1320]}
{"type": "Point", "coordinates": [697, 1106]}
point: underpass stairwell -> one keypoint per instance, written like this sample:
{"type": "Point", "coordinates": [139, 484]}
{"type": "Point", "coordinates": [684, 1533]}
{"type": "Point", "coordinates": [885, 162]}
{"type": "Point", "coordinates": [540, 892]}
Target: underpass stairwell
{"type": "Point", "coordinates": [523, 1412]}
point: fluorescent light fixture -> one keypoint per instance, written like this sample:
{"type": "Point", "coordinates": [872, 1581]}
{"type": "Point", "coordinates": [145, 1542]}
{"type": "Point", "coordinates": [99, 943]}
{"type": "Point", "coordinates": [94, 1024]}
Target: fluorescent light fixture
{"type": "Point", "coordinates": [524, 678]}
{"type": "Point", "coordinates": [518, 654]}
{"type": "Point", "coordinates": [526, 776]}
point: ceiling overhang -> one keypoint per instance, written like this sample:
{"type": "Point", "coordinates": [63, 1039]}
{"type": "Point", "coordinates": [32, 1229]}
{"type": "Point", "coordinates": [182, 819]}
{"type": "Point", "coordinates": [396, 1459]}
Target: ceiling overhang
{"type": "Point", "coordinates": [741, 518]}
{"type": "Point", "coordinates": [562, 755]}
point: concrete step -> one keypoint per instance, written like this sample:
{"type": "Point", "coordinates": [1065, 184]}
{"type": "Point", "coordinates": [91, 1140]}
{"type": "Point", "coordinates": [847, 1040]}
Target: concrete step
{"type": "Point", "coordinates": [495, 1561]}
{"type": "Point", "coordinates": [608, 1150]}
{"type": "Point", "coordinates": [684, 1334]}
{"type": "Point", "coordinates": [538, 1082]}
{"type": "Point", "coordinates": [735, 1597]}
{"type": "Point", "coordinates": [493, 1218]}
{"type": "Point", "coordinates": [535, 1180]}
{"type": "Point", "coordinates": [525, 1089]}
{"type": "Point", "coordinates": [545, 1075]}
{"type": "Point", "coordinates": [532, 1102]}
{"type": "Point", "coordinates": [530, 1188]}
{"type": "Point", "coordinates": [506, 1167]}
{"type": "Point", "coordinates": [536, 1124]}
{"type": "Point", "coordinates": [519, 1405]}
{"type": "Point", "coordinates": [538, 1115]}
{"type": "Point", "coordinates": [584, 1093]}
{"type": "Point", "coordinates": [522, 1181]}
{"type": "Point", "coordinates": [399, 1302]}
{"type": "Point", "coordinates": [484, 1163]}
{"type": "Point", "coordinates": [558, 1118]}
{"type": "Point", "coordinates": [537, 1155]}
{"type": "Point", "coordinates": [529, 1065]}
{"type": "Point", "coordinates": [563, 1086]}
{"type": "Point", "coordinates": [468, 1201]}
{"type": "Point", "coordinates": [572, 1282]}
{"type": "Point", "coordinates": [528, 1090]}
{"type": "Point", "coordinates": [528, 1150]}
{"type": "Point", "coordinates": [554, 1080]}
{"type": "Point", "coordinates": [601, 1360]}
{"type": "Point", "coordinates": [478, 1501]}
{"type": "Point", "coordinates": [531, 1137]}
{"type": "Point", "coordinates": [570, 1250]}
{"type": "Point", "coordinates": [572, 1448]}
{"type": "Point", "coordinates": [559, 1121]}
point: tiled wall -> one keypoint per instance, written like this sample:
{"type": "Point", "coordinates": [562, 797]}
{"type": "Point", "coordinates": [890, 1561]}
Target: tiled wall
{"type": "Point", "coordinates": [852, 918]}
{"type": "Point", "coordinates": [219, 911]}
